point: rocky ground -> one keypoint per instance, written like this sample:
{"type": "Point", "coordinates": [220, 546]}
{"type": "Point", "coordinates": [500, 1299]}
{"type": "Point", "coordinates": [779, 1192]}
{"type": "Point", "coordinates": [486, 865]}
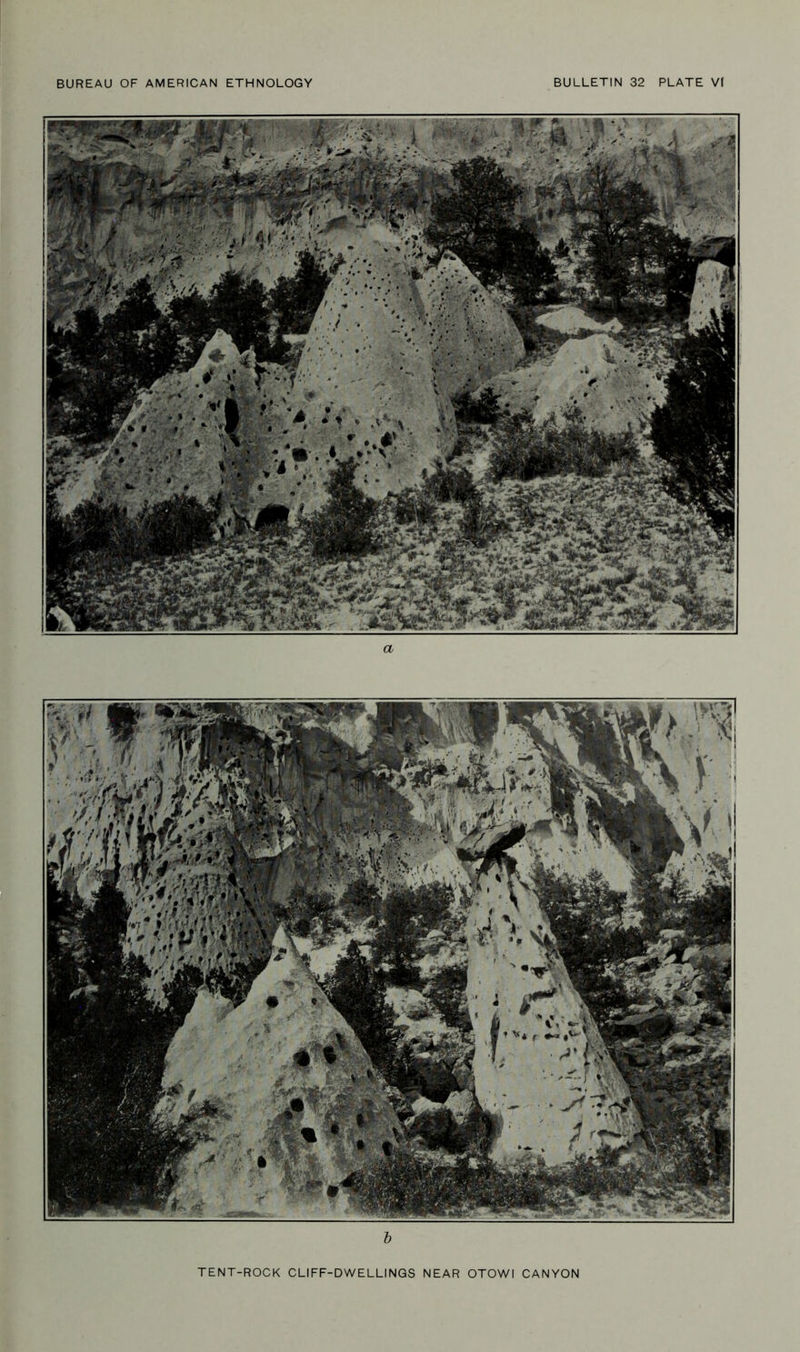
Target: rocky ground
{"type": "Point", "coordinates": [607, 554]}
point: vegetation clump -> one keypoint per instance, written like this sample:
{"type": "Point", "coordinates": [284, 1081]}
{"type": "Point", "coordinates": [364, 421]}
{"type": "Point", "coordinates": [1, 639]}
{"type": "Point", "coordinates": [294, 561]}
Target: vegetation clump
{"type": "Point", "coordinates": [408, 1185]}
{"type": "Point", "coordinates": [694, 431]}
{"type": "Point", "coordinates": [478, 221]}
{"type": "Point", "coordinates": [526, 450]}
{"type": "Point", "coordinates": [106, 1044]}
{"type": "Point", "coordinates": [358, 991]}
{"type": "Point", "coordinates": [175, 526]}
{"type": "Point", "coordinates": [346, 524]}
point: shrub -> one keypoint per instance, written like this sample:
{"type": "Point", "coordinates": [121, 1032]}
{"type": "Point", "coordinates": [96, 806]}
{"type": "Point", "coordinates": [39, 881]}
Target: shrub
{"type": "Point", "coordinates": [345, 525]}
{"type": "Point", "coordinates": [363, 897]}
{"type": "Point", "coordinates": [358, 991]}
{"type": "Point", "coordinates": [483, 407]}
{"type": "Point", "coordinates": [177, 525]}
{"type": "Point", "coordinates": [586, 920]}
{"type": "Point", "coordinates": [448, 991]}
{"type": "Point", "coordinates": [398, 932]}
{"type": "Point", "coordinates": [414, 504]}
{"type": "Point", "coordinates": [57, 535]}
{"type": "Point", "coordinates": [105, 1057]}
{"type": "Point", "coordinates": [709, 916]}
{"type": "Point", "coordinates": [694, 431]}
{"type": "Point", "coordinates": [479, 521]}
{"type": "Point", "coordinates": [528, 451]}
{"type": "Point", "coordinates": [451, 483]}
{"type": "Point", "coordinates": [598, 1177]}
{"type": "Point", "coordinates": [295, 300]}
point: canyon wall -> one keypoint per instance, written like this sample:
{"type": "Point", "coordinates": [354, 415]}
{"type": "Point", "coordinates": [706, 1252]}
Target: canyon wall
{"type": "Point", "coordinates": [181, 201]}
{"type": "Point", "coordinates": [208, 816]}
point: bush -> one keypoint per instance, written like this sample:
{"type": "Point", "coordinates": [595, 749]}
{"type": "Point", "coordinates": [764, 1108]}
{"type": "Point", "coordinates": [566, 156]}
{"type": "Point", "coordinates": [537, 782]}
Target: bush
{"type": "Point", "coordinates": [694, 431]}
{"type": "Point", "coordinates": [346, 524]}
{"type": "Point", "coordinates": [358, 991]}
{"type": "Point", "coordinates": [451, 483]}
{"type": "Point", "coordinates": [709, 916]}
{"type": "Point", "coordinates": [362, 897]}
{"type": "Point", "coordinates": [479, 521]}
{"type": "Point", "coordinates": [414, 504]}
{"type": "Point", "coordinates": [406, 914]}
{"type": "Point", "coordinates": [526, 451]}
{"type": "Point", "coordinates": [586, 920]}
{"type": "Point", "coordinates": [295, 300]}
{"type": "Point", "coordinates": [58, 544]}
{"type": "Point", "coordinates": [174, 526]}
{"type": "Point", "coordinates": [483, 407]}
{"type": "Point", "coordinates": [105, 1056]}
{"type": "Point", "coordinates": [177, 525]}
{"type": "Point", "coordinates": [448, 991]}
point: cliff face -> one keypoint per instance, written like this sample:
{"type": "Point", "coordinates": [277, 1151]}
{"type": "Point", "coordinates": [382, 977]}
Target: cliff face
{"type": "Point", "coordinates": [181, 201]}
{"type": "Point", "coordinates": [207, 816]}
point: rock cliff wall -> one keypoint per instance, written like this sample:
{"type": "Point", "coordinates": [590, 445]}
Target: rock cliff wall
{"type": "Point", "coordinates": [207, 816]}
{"type": "Point", "coordinates": [182, 201]}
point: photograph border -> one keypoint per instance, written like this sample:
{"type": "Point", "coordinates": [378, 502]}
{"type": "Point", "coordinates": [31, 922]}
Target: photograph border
{"type": "Point", "coordinates": [383, 1221]}
{"type": "Point", "coordinates": [388, 633]}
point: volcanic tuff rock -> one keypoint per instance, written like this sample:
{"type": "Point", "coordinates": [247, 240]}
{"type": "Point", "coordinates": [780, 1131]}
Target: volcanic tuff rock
{"type": "Point", "coordinates": [600, 380]}
{"type": "Point", "coordinates": [714, 292]}
{"type": "Point", "coordinates": [369, 350]}
{"type": "Point", "coordinates": [472, 335]}
{"type": "Point", "coordinates": [211, 432]}
{"type": "Point", "coordinates": [184, 200]}
{"type": "Point", "coordinates": [207, 816]}
{"type": "Point", "coordinates": [570, 319]}
{"type": "Point", "coordinates": [542, 1071]}
{"type": "Point", "coordinates": [276, 1101]}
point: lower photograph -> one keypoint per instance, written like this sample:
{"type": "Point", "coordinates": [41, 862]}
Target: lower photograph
{"type": "Point", "coordinates": [351, 960]}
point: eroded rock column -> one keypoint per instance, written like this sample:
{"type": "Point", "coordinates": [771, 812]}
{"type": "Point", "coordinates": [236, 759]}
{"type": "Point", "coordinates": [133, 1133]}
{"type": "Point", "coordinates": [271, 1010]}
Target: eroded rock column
{"type": "Point", "coordinates": [542, 1071]}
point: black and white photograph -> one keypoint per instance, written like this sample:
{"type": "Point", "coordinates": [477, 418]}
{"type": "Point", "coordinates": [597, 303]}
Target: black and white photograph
{"type": "Point", "coordinates": [414, 373]}
{"type": "Point", "coordinates": [347, 960]}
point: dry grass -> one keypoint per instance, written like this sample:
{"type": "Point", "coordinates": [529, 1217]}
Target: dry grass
{"type": "Point", "coordinates": [602, 555]}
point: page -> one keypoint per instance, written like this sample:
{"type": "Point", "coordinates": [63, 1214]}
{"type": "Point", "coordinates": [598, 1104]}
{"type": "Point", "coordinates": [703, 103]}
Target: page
{"type": "Point", "coordinates": [388, 718]}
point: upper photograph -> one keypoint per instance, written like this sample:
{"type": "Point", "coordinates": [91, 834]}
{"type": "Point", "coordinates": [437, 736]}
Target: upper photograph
{"type": "Point", "coordinates": [351, 374]}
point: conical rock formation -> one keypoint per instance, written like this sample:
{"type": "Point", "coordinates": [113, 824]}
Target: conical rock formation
{"type": "Point", "coordinates": [602, 381]}
{"type": "Point", "coordinates": [472, 335]}
{"type": "Point", "coordinates": [542, 1071]}
{"type": "Point", "coordinates": [276, 1099]}
{"type": "Point", "coordinates": [203, 433]}
{"type": "Point", "coordinates": [366, 388]}
{"type": "Point", "coordinates": [713, 293]}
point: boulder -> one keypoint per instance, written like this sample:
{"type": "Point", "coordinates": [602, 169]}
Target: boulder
{"type": "Point", "coordinates": [430, 1121]}
{"type": "Point", "coordinates": [671, 941]}
{"type": "Point", "coordinates": [602, 382]}
{"type": "Point", "coordinates": [434, 1076]}
{"type": "Point", "coordinates": [655, 1023]}
{"type": "Point", "coordinates": [571, 320]}
{"type": "Point", "coordinates": [486, 841]}
{"type": "Point", "coordinates": [275, 1101]}
{"type": "Point", "coordinates": [472, 335]}
{"type": "Point", "coordinates": [469, 1129]}
{"type": "Point", "coordinates": [714, 293]}
{"type": "Point", "coordinates": [680, 1045]}
{"type": "Point", "coordinates": [542, 1071]}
